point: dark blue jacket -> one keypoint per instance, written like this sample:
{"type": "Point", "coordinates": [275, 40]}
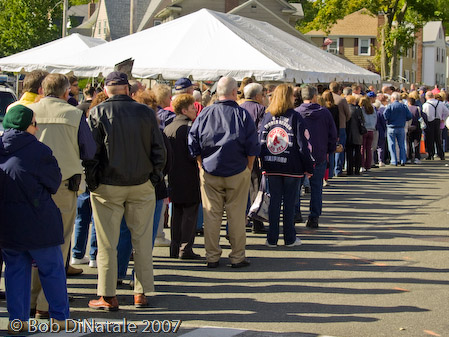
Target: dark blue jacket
{"type": "Point", "coordinates": [284, 145]}
{"type": "Point", "coordinates": [321, 125]}
{"type": "Point", "coordinates": [224, 135]}
{"type": "Point", "coordinates": [256, 110]}
{"type": "Point", "coordinates": [29, 217]}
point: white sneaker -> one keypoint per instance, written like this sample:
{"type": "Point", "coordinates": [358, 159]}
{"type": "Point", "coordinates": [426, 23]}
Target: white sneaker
{"type": "Point", "coordinates": [270, 245]}
{"type": "Point", "coordinates": [93, 263]}
{"type": "Point", "coordinates": [362, 169]}
{"type": "Point", "coordinates": [296, 243]}
{"type": "Point", "coordinates": [162, 242]}
{"type": "Point", "coordinates": [381, 164]}
{"type": "Point", "coordinates": [84, 260]}
{"type": "Point", "coordinates": [417, 161]}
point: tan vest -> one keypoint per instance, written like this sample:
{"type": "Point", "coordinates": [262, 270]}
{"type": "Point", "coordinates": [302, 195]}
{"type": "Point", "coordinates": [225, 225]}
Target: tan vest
{"type": "Point", "coordinates": [58, 123]}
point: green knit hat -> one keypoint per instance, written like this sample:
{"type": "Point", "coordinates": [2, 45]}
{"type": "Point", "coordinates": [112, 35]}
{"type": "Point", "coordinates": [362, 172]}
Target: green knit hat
{"type": "Point", "coordinates": [18, 117]}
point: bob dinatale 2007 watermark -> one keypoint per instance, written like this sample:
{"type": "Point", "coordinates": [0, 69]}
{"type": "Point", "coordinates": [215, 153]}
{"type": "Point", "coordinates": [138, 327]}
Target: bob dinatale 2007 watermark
{"type": "Point", "coordinates": [93, 326]}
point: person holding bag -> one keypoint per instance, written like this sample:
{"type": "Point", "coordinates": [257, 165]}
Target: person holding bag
{"type": "Point", "coordinates": [285, 156]}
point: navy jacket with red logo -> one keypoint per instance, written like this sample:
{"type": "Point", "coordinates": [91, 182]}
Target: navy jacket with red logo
{"type": "Point", "coordinates": [285, 149]}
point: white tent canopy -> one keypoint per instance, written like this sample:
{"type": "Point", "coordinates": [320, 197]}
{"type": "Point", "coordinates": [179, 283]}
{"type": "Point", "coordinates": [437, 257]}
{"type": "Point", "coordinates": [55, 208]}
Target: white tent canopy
{"type": "Point", "coordinates": [40, 56]}
{"type": "Point", "coordinates": [206, 45]}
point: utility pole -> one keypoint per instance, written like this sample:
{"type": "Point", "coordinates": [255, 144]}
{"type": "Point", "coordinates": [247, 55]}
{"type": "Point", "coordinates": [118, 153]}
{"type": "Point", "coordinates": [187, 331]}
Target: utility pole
{"type": "Point", "coordinates": [131, 17]}
{"type": "Point", "coordinates": [64, 18]}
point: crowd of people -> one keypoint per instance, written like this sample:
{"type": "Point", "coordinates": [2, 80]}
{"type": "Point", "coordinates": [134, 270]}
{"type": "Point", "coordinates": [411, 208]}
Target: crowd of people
{"type": "Point", "coordinates": [126, 155]}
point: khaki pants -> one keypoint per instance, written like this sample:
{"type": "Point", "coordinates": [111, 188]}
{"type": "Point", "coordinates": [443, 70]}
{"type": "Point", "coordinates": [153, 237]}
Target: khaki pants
{"type": "Point", "coordinates": [109, 204]}
{"type": "Point", "coordinates": [65, 200]}
{"type": "Point", "coordinates": [230, 193]}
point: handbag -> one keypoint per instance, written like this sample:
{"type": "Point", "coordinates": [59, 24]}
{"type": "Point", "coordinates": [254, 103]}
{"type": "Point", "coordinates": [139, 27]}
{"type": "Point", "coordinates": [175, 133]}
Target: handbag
{"type": "Point", "coordinates": [362, 128]}
{"type": "Point", "coordinates": [259, 209]}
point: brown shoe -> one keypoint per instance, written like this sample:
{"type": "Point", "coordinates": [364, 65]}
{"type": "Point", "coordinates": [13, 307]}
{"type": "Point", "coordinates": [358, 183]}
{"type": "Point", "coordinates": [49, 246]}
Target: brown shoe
{"type": "Point", "coordinates": [72, 271]}
{"type": "Point", "coordinates": [104, 303]}
{"type": "Point", "coordinates": [140, 301]}
{"type": "Point", "coordinates": [42, 314]}
{"type": "Point", "coordinates": [16, 327]}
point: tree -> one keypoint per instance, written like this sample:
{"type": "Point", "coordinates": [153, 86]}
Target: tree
{"type": "Point", "coordinates": [28, 23]}
{"type": "Point", "coordinates": [402, 20]}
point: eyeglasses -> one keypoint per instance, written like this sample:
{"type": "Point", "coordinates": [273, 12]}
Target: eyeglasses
{"type": "Point", "coordinates": [34, 124]}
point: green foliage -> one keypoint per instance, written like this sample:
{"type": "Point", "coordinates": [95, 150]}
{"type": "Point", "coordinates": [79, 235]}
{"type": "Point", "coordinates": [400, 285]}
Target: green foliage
{"type": "Point", "coordinates": [27, 23]}
{"type": "Point", "coordinates": [309, 14]}
{"type": "Point", "coordinates": [79, 2]}
{"type": "Point", "coordinates": [403, 18]}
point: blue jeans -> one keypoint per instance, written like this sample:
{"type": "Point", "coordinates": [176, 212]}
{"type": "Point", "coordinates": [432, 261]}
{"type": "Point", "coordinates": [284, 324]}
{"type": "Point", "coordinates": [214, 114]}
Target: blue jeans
{"type": "Point", "coordinates": [82, 222]}
{"type": "Point", "coordinates": [125, 247]}
{"type": "Point", "coordinates": [51, 269]}
{"type": "Point", "coordinates": [398, 134]}
{"type": "Point", "coordinates": [316, 189]}
{"type": "Point", "coordinates": [340, 157]}
{"type": "Point", "coordinates": [282, 189]}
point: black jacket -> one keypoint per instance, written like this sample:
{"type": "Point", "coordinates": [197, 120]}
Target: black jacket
{"type": "Point", "coordinates": [183, 178]}
{"type": "Point", "coordinates": [130, 148]}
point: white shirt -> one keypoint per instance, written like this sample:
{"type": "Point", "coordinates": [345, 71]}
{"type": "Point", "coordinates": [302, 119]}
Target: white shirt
{"type": "Point", "coordinates": [435, 109]}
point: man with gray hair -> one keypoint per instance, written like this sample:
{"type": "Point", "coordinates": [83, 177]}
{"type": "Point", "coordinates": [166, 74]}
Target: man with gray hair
{"type": "Point", "coordinates": [396, 115]}
{"type": "Point", "coordinates": [223, 139]}
{"type": "Point", "coordinates": [253, 103]}
{"type": "Point", "coordinates": [323, 138]}
{"type": "Point", "coordinates": [435, 113]}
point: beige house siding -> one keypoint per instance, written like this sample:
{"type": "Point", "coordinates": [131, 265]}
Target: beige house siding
{"type": "Point", "coordinates": [102, 19]}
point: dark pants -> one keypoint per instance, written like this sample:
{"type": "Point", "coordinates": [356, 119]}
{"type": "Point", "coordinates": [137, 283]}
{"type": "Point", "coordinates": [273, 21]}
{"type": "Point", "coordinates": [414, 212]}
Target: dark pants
{"type": "Point", "coordinates": [183, 228]}
{"type": "Point", "coordinates": [412, 150]}
{"type": "Point", "coordinates": [354, 156]}
{"type": "Point", "coordinates": [282, 190]}
{"type": "Point", "coordinates": [433, 137]}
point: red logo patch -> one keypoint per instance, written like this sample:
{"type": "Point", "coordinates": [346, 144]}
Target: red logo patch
{"type": "Point", "coordinates": [277, 141]}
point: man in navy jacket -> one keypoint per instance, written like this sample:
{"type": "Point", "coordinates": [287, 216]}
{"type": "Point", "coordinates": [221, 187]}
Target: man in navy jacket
{"type": "Point", "coordinates": [223, 138]}
{"type": "Point", "coordinates": [323, 137]}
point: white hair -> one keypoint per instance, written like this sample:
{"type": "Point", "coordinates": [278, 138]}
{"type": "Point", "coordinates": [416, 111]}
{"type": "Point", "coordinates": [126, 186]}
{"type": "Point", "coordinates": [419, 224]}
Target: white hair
{"type": "Point", "coordinates": [197, 95]}
{"type": "Point", "coordinates": [396, 96]}
{"type": "Point", "coordinates": [225, 86]}
{"type": "Point", "coordinates": [252, 89]}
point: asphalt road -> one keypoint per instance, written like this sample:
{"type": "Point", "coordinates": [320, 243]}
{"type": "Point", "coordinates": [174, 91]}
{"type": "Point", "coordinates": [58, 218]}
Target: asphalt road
{"type": "Point", "coordinates": [378, 266]}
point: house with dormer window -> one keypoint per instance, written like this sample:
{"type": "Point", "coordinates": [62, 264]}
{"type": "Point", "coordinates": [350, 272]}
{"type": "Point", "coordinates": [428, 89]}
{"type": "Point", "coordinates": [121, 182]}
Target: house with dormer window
{"type": "Point", "coordinates": [112, 17]}
{"type": "Point", "coordinates": [434, 55]}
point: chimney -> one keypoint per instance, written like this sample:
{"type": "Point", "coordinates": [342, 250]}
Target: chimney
{"type": "Point", "coordinates": [230, 5]}
{"type": "Point", "coordinates": [90, 9]}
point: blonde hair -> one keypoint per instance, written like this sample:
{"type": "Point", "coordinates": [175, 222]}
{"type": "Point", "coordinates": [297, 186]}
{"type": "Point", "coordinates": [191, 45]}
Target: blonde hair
{"type": "Point", "coordinates": [351, 99]}
{"type": "Point", "coordinates": [162, 92]}
{"type": "Point", "coordinates": [281, 100]}
{"type": "Point", "coordinates": [328, 99]}
{"type": "Point", "coordinates": [182, 101]}
{"type": "Point", "coordinates": [366, 104]}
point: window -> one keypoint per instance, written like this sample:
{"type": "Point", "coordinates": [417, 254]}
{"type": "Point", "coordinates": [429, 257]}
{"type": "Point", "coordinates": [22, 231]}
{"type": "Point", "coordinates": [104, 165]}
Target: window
{"type": "Point", "coordinates": [414, 51]}
{"type": "Point", "coordinates": [105, 27]}
{"type": "Point", "coordinates": [364, 47]}
{"type": "Point", "coordinates": [99, 27]}
{"type": "Point", "coordinates": [157, 22]}
{"type": "Point", "coordinates": [333, 47]}
{"type": "Point", "coordinates": [407, 75]}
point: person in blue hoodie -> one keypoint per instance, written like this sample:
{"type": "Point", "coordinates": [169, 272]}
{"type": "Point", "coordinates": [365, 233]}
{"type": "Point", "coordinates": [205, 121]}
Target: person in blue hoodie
{"type": "Point", "coordinates": [286, 158]}
{"type": "Point", "coordinates": [396, 115]}
{"type": "Point", "coordinates": [31, 226]}
{"type": "Point", "coordinates": [323, 137]}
